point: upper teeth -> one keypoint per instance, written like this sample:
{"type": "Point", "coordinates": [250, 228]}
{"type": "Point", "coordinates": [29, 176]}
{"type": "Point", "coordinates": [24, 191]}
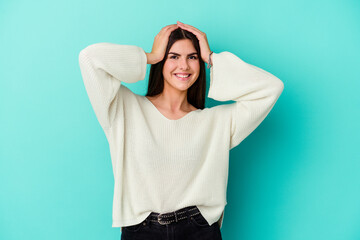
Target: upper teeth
{"type": "Point", "coordinates": [183, 76]}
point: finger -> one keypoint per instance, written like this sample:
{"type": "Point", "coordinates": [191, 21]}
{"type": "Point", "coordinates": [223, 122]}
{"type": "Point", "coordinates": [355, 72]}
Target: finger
{"type": "Point", "coordinates": [166, 28]}
{"type": "Point", "coordinates": [186, 25]}
{"type": "Point", "coordinates": [170, 28]}
{"type": "Point", "coordinates": [190, 28]}
{"type": "Point", "coordinates": [173, 26]}
{"type": "Point", "coordinates": [195, 31]}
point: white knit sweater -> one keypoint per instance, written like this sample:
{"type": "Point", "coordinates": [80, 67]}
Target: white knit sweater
{"type": "Point", "coordinates": [162, 165]}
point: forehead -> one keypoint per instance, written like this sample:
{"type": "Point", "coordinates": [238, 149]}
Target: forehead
{"type": "Point", "coordinates": [183, 46]}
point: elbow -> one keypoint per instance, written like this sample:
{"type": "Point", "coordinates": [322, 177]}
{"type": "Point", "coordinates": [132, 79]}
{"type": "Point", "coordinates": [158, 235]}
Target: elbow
{"type": "Point", "coordinates": [86, 52]}
{"type": "Point", "coordinates": [278, 86]}
{"type": "Point", "coordinates": [90, 50]}
{"type": "Point", "coordinates": [83, 57]}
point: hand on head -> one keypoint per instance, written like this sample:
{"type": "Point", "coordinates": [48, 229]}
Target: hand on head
{"type": "Point", "coordinates": [162, 38]}
{"type": "Point", "coordinates": [160, 42]}
{"type": "Point", "coordinates": [201, 36]}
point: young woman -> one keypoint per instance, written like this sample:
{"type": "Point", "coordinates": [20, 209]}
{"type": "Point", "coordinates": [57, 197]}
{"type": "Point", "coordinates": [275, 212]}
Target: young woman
{"type": "Point", "coordinates": [169, 153]}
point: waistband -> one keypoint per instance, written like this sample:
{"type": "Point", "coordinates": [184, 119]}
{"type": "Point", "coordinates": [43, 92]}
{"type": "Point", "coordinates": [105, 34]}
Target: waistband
{"type": "Point", "coordinates": [172, 217]}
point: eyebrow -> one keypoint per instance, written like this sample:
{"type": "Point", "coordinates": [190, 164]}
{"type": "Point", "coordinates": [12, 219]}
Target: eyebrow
{"type": "Point", "coordinates": [179, 54]}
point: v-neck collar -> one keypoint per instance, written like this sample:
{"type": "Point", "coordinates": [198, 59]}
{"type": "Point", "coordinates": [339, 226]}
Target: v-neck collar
{"type": "Point", "coordinates": [167, 119]}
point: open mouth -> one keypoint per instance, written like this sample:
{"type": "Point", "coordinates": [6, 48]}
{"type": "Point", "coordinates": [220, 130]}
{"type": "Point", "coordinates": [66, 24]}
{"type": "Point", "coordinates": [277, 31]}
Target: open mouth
{"type": "Point", "coordinates": [183, 77]}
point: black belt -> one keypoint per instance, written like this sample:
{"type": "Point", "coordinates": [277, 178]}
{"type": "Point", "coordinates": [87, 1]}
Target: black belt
{"type": "Point", "coordinates": [172, 217]}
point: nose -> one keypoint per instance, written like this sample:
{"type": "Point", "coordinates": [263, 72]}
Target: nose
{"type": "Point", "coordinates": [183, 64]}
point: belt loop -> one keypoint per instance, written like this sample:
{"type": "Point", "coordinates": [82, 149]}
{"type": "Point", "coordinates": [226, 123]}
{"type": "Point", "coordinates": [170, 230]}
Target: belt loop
{"type": "Point", "coordinates": [148, 221]}
{"type": "Point", "coordinates": [175, 216]}
{"type": "Point", "coordinates": [188, 215]}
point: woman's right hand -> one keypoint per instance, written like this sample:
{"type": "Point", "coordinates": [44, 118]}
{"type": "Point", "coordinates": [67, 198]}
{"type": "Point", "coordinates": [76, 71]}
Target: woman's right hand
{"type": "Point", "coordinates": [160, 43]}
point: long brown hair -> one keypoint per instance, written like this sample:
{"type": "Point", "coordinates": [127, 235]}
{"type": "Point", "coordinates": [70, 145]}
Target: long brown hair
{"type": "Point", "coordinates": [196, 93]}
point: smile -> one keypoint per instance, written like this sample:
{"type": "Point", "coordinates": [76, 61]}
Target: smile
{"type": "Point", "coordinates": [182, 77]}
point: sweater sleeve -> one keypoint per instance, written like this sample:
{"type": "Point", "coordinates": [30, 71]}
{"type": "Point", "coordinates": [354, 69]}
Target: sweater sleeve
{"type": "Point", "coordinates": [103, 67]}
{"type": "Point", "coordinates": [254, 90]}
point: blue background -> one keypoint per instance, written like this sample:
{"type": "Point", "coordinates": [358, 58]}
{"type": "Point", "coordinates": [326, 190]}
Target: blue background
{"type": "Point", "coordinates": [295, 177]}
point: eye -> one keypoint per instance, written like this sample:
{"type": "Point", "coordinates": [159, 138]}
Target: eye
{"type": "Point", "coordinates": [191, 57]}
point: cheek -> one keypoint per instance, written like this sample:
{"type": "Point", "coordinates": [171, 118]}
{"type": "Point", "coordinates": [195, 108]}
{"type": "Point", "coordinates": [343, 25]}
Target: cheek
{"type": "Point", "coordinates": [196, 68]}
{"type": "Point", "coordinates": [168, 69]}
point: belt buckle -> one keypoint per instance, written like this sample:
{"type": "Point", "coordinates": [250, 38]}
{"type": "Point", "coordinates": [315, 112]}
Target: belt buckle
{"type": "Point", "coordinates": [159, 219]}
{"type": "Point", "coordinates": [166, 222]}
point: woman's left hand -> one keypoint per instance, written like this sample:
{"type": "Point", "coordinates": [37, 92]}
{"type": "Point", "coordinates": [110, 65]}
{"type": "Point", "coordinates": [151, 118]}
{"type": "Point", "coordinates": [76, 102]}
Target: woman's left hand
{"type": "Point", "coordinates": [201, 36]}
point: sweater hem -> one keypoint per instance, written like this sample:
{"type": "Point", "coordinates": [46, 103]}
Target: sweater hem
{"type": "Point", "coordinates": [130, 222]}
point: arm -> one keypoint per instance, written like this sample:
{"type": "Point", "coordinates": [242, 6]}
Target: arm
{"type": "Point", "coordinates": [254, 90]}
{"type": "Point", "coordinates": [151, 58]}
{"type": "Point", "coordinates": [103, 67]}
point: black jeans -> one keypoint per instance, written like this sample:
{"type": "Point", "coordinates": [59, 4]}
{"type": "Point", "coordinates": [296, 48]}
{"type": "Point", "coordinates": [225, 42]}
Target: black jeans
{"type": "Point", "coordinates": [190, 228]}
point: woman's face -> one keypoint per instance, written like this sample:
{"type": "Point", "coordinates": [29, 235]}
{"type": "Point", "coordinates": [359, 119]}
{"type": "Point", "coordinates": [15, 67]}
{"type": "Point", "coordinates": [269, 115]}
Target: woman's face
{"type": "Point", "coordinates": [183, 60]}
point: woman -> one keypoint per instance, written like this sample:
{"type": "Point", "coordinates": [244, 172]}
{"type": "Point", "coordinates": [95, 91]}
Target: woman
{"type": "Point", "coordinates": [169, 153]}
